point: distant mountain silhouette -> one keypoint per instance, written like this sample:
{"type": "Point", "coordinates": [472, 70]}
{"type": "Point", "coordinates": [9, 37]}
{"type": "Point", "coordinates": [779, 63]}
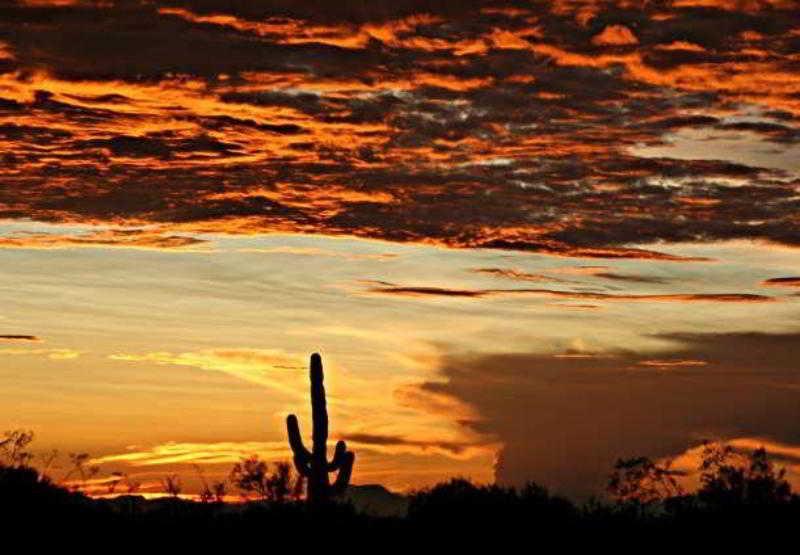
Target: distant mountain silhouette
{"type": "Point", "coordinates": [376, 500]}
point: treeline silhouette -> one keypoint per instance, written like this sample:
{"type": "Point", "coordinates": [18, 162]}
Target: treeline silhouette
{"type": "Point", "coordinates": [738, 492]}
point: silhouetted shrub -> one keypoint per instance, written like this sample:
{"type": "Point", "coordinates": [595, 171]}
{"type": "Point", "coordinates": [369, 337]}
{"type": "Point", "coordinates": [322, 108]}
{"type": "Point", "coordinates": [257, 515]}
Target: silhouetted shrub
{"type": "Point", "coordinates": [13, 448]}
{"type": "Point", "coordinates": [640, 481]}
{"type": "Point", "coordinates": [172, 485]}
{"type": "Point", "coordinates": [729, 478]}
{"type": "Point", "coordinates": [251, 476]}
{"type": "Point", "coordinates": [459, 503]}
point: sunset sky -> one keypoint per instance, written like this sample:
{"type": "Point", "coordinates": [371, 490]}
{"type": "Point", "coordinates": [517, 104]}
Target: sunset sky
{"type": "Point", "coordinates": [528, 237]}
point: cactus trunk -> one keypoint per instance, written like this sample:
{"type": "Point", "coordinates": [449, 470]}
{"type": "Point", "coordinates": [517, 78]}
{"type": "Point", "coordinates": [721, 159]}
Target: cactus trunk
{"type": "Point", "coordinates": [314, 465]}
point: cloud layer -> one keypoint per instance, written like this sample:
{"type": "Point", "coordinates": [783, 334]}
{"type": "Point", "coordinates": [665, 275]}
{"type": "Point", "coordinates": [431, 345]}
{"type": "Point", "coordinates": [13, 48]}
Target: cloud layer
{"type": "Point", "coordinates": [384, 288]}
{"type": "Point", "coordinates": [540, 126]}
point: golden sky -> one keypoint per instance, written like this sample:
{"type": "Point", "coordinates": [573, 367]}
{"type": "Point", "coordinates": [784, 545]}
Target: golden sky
{"type": "Point", "coordinates": [528, 237]}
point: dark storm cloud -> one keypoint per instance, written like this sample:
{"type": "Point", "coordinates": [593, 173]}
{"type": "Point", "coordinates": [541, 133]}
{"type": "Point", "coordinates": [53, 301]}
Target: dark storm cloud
{"type": "Point", "coordinates": [772, 131]}
{"type": "Point", "coordinates": [382, 288]}
{"type": "Point", "coordinates": [11, 337]}
{"type": "Point", "coordinates": [564, 420]}
{"type": "Point", "coordinates": [632, 278]}
{"type": "Point", "coordinates": [155, 146]}
{"type": "Point", "coordinates": [789, 281]}
{"type": "Point", "coordinates": [503, 125]}
{"type": "Point", "coordinates": [131, 238]}
{"type": "Point", "coordinates": [595, 271]}
{"type": "Point", "coordinates": [517, 275]}
{"type": "Point", "coordinates": [387, 440]}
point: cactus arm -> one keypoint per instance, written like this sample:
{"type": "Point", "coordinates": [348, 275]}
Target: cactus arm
{"type": "Point", "coordinates": [338, 456]}
{"type": "Point", "coordinates": [296, 441]}
{"type": "Point", "coordinates": [345, 472]}
{"type": "Point", "coordinates": [302, 458]}
{"type": "Point", "coordinates": [302, 468]}
{"type": "Point", "coordinates": [319, 409]}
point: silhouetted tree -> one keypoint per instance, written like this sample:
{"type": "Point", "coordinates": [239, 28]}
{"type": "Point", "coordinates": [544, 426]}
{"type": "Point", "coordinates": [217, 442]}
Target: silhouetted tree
{"type": "Point", "coordinates": [298, 487]}
{"type": "Point", "coordinates": [251, 476]}
{"type": "Point", "coordinates": [219, 489]}
{"type": "Point", "coordinates": [729, 477]}
{"type": "Point", "coordinates": [459, 505]}
{"type": "Point", "coordinates": [314, 465]}
{"type": "Point", "coordinates": [279, 484]}
{"type": "Point", "coordinates": [80, 468]}
{"type": "Point", "coordinates": [172, 485]}
{"type": "Point", "coordinates": [47, 461]}
{"type": "Point", "coordinates": [115, 480]}
{"type": "Point", "coordinates": [213, 492]}
{"type": "Point", "coordinates": [641, 481]}
{"type": "Point", "coordinates": [13, 448]}
{"type": "Point", "coordinates": [131, 485]}
{"type": "Point", "coordinates": [121, 481]}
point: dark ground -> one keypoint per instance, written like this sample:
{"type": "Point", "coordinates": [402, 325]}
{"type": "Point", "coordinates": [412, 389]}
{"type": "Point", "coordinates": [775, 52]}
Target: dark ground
{"type": "Point", "coordinates": [453, 513]}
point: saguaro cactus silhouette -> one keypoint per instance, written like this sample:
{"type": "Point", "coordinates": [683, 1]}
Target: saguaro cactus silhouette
{"type": "Point", "coordinates": [314, 465]}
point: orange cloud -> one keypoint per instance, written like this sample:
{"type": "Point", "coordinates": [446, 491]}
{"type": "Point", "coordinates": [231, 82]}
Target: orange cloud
{"type": "Point", "coordinates": [615, 35]}
{"type": "Point", "coordinates": [5, 51]}
{"type": "Point", "coordinates": [314, 252]}
{"type": "Point", "coordinates": [433, 402]}
{"type": "Point", "coordinates": [659, 363]}
{"type": "Point", "coordinates": [224, 452]}
{"type": "Point", "coordinates": [736, 5]}
{"type": "Point", "coordinates": [271, 368]}
{"type": "Point", "coordinates": [128, 238]}
{"type": "Point", "coordinates": [390, 124]}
